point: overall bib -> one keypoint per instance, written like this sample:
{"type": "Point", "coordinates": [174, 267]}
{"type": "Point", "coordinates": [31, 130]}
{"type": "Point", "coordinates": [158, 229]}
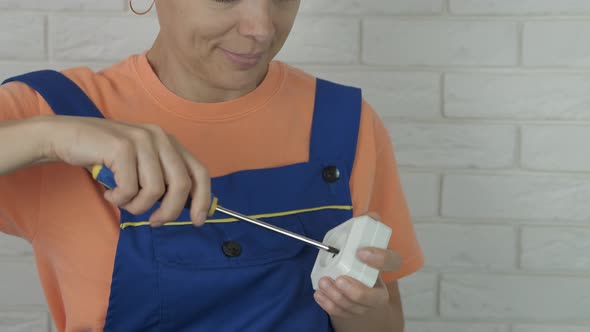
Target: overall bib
{"type": "Point", "coordinates": [228, 275]}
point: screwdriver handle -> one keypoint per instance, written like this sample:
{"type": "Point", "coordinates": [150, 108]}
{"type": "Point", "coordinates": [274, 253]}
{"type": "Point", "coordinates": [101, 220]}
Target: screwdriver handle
{"type": "Point", "coordinates": [104, 175]}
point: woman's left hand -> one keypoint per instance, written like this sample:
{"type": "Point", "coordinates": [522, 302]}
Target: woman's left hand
{"type": "Point", "coordinates": [347, 297]}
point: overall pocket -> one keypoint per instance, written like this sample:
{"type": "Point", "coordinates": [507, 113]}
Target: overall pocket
{"type": "Point", "coordinates": [231, 276]}
{"type": "Point", "coordinates": [226, 245]}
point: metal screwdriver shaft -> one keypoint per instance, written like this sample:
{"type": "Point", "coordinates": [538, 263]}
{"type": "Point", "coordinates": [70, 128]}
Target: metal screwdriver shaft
{"type": "Point", "coordinates": [105, 176]}
{"type": "Point", "coordinates": [242, 217]}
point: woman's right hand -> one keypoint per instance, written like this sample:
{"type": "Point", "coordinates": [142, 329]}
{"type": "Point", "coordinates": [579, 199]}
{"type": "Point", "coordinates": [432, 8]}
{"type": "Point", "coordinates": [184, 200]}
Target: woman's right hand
{"type": "Point", "coordinates": [147, 163]}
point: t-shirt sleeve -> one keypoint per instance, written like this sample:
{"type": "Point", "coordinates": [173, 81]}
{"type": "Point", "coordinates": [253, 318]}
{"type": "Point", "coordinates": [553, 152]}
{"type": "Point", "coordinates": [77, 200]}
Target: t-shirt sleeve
{"type": "Point", "coordinates": [19, 190]}
{"type": "Point", "coordinates": [376, 187]}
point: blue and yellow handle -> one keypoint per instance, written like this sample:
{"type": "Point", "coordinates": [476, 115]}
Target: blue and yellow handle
{"type": "Point", "coordinates": [105, 176]}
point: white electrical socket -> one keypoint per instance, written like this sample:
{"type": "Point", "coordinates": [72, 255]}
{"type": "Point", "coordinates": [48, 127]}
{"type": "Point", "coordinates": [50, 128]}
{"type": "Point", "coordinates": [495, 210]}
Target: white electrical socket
{"type": "Point", "coordinates": [353, 234]}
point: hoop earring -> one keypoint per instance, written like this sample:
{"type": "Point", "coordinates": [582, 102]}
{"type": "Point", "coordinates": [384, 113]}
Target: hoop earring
{"type": "Point", "coordinates": [140, 13]}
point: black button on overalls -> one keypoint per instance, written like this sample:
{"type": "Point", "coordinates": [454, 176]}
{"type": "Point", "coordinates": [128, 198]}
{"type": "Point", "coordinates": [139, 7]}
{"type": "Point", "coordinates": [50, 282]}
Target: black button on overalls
{"type": "Point", "coordinates": [231, 248]}
{"type": "Point", "coordinates": [331, 174]}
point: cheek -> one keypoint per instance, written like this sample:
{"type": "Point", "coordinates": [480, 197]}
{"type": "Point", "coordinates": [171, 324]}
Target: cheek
{"type": "Point", "coordinates": [206, 36]}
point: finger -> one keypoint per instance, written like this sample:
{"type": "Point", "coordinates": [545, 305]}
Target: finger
{"type": "Point", "coordinates": [381, 259]}
{"type": "Point", "coordinates": [201, 189]}
{"type": "Point", "coordinates": [151, 178]}
{"type": "Point", "coordinates": [177, 179]}
{"type": "Point", "coordinates": [329, 306]}
{"type": "Point", "coordinates": [201, 194]}
{"type": "Point", "coordinates": [374, 215]}
{"type": "Point", "coordinates": [123, 164]}
{"type": "Point", "coordinates": [336, 295]}
{"type": "Point", "coordinates": [359, 294]}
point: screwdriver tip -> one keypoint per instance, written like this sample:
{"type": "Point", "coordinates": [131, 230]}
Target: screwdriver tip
{"type": "Point", "coordinates": [333, 251]}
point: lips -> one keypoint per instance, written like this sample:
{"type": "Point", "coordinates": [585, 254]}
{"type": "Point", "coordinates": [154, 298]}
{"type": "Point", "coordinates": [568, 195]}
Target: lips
{"type": "Point", "coordinates": [244, 60]}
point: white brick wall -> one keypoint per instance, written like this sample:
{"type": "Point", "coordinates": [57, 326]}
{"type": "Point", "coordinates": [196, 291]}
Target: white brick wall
{"type": "Point", "coordinates": [439, 42]}
{"type": "Point", "coordinates": [514, 297]}
{"type": "Point", "coordinates": [488, 104]}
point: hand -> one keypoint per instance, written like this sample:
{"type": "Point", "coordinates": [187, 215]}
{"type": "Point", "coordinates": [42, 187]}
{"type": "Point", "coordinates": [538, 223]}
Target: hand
{"type": "Point", "coordinates": [146, 161]}
{"type": "Point", "coordinates": [347, 297]}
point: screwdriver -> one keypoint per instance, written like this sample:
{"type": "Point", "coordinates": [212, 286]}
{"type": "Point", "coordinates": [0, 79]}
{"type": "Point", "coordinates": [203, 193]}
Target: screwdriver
{"type": "Point", "coordinates": [105, 176]}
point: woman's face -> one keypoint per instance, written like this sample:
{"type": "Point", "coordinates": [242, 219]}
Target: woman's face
{"type": "Point", "coordinates": [228, 43]}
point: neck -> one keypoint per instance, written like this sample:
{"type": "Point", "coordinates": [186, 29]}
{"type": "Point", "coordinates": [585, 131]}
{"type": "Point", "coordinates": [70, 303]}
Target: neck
{"type": "Point", "coordinates": [181, 77]}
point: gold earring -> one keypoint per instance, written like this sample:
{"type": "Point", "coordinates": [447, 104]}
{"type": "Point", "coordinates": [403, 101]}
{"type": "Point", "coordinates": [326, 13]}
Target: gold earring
{"type": "Point", "coordinates": [140, 13]}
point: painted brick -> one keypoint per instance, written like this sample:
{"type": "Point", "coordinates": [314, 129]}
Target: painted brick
{"type": "Point", "coordinates": [439, 43]}
{"type": "Point", "coordinates": [556, 44]}
{"type": "Point", "coordinates": [418, 292]}
{"type": "Point", "coordinates": [111, 5]}
{"type": "Point", "coordinates": [14, 246]}
{"type": "Point", "coordinates": [520, 7]}
{"type": "Point", "coordinates": [467, 247]}
{"type": "Point", "coordinates": [526, 297]}
{"type": "Point", "coordinates": [19, 283]}
{"type": "Point", "coordinates": [422, 193]}
{"type": "Point", "coordinates": [323, 40]}
{"type": "Point", "coordinates": [517, 96]}
{"type": "Point", "coordinates": [412, 326]}
{"type": "Point", "coordinates": [556, 248]}
{"type": "Point", "coordinates": [11, 321]}
{"type": "Point", "coordinates": [23, 37]}
{"type": "Point", "coordinates": [372, 6]}
{"type": "Point", "coordinates": [469, 146]}
{"type": "Point", "coordinates": [516, 197]}
{"type": "Point", "coordinates": [100, 38]}
{"type": "Point", "coordinates": [555, 148]}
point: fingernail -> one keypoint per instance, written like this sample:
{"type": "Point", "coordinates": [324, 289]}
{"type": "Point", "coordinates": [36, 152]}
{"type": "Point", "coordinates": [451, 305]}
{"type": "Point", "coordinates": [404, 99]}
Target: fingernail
{"type": "Point", "coordinates": [201, 218]}
{"type": "Point", "coordinates": [325, 284]}
{"type": "Point", "coordinates": [365, 254]}
{"type": "Point", "coordinates": [154, 220]}
{"type": "Point", "coordinates": [342, 283]}
{"type": "Point", "coordinates": [319, 297]}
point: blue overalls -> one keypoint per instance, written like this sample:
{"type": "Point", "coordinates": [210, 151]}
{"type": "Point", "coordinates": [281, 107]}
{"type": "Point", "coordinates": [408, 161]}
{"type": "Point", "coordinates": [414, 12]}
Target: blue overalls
{"type": "Point", "coordinates": [227, 275]}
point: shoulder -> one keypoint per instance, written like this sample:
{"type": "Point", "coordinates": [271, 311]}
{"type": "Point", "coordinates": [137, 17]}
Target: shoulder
{"type": "Point", "coordinates": [105, 85]}
{"type": "Point", "coordinates": [371, 123]}
{"type": "Point", "coordinates": [296, 76]}
{"type": "Point", "coordinates": [306, 80]}
{"type": "Point", "coordinates": [111, 77]}
{"type": "Point", "coordinates": [85, 77]}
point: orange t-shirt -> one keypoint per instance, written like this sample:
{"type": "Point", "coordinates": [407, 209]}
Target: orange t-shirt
{"type": "Point", "coordinates": [74, 231]}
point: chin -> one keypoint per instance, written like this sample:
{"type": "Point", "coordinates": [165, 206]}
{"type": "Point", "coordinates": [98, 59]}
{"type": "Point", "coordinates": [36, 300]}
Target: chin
{"type": "Point", "coordinates": [237, 85]}
{"type": "Point", "coordinates": [237, 79]}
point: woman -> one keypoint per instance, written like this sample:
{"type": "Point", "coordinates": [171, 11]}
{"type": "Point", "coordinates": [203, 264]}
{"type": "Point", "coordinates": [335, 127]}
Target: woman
{"type": "Point", "coordinates": [276, 142]}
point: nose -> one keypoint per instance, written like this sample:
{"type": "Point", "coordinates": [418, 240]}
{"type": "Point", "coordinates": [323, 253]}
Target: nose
{"type": "Point", "coordinates": [257, 20]}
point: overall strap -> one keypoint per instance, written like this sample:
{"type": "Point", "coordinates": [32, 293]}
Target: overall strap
{"type": "Point", "coordinates": [335, 125]}
{"type": "Point", "coordinates": [63, 96]}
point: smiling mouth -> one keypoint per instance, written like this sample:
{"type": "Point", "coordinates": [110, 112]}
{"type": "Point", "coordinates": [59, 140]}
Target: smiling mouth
{"type": "Point", "coordinates": [243, 60]}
